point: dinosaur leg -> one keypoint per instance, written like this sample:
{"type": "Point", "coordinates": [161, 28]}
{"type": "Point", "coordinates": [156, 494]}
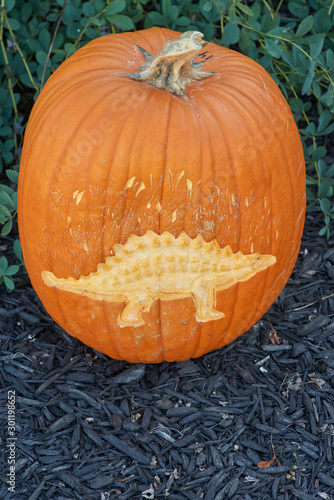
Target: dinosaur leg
{"type": "Point", "coordinates": [131, 315]}
{"type": "Point", "coordinates": [205, 297]}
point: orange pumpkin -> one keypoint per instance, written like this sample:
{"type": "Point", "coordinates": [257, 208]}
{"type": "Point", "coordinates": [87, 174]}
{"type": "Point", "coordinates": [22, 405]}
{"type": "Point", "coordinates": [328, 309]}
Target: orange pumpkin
{"type": "Point", "coordinates": [161, 195]}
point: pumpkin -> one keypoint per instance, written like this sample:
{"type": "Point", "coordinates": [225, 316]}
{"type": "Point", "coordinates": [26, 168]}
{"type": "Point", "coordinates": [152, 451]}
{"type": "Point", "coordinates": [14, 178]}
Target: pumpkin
{"type": "Point", "coordinates": [161, 195]}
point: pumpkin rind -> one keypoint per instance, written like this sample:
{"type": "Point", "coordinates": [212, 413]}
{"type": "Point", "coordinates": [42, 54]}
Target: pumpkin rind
{"type": "Point", "coordinates": [106, 157]}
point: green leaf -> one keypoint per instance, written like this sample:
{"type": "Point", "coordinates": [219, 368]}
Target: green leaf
{"type": "Point", "coordinates": [11, 270]}
{"type": "Point", "coordinates": [296, 105]}
{"type": "Point", "coordinates": [7, 200]}
{"type": "Point", "coordinates": [45, 39]}
{"type": "Point", "coordinates": [96, 22]}
{"type": "Point", "coordinates": [13, 176]}
{"type": "Point", "coordinates": [318, 153]}
{"type": "Point", "coordinates": [41, 57]}
{"type": "Point", "coordinates": [170, 11]}
{"type": "Point", "coordinates": [3, 96]}
{"type": "Point", "coordinates": [253, 23]}
{"type": "Point", "coordinates": [5, 211]}
{"type": "Point", "coordinates": [9, 144]}
{"type": "Point", "coordinates": [330, 172]}
{"type": "Point", "coordinates": [156, 18]}
{"type": "Point", "coordinates": [322, 167]}
{"type": "Point", "coordinates": [139, 14]}
{"type": "Point", "coordinates": [6, 189]}
{"type": "Point", "coordinates": [316, 90]}
{"type": "Point", "coordinates": [305, 26]}
{"type": "Point", "coordinates": [5, 131]}
{"type": "Point", "coordinates": [324, 188]}
{"type": "Point", "coordinates": [232, 13]}
{"type": "Point", "coordinates": [208, 32]}
{"type": "Point", "coordinates": [59, 41]}
{"type": "Point", "coordinates": [122, 22]}
{"type": "Point", "coordinates": [9, 283]}
{"type": "Point", "coordinates": [316, 43]}
{"type": "Point", "coordinates": [328, 130]}
{"type": "Point", "coordinates": [182, 21]}
{"type": "Point", "coordinates": [24, 78]}
{"type": "Point", "coordinates": [288, 59]}
{"type": "Point", "coordinates": [115, 7]}
{"type": "Point", "coordinates": [222, 5]}
{"type": "Point", "coordinates": [14, 199]}
{"type": "Point", "coordinates": [298, 10]}
{"type": "Point", "coordinates": [231, 34]}
{"type": "Point", "coordinates": [329, 57]}
{"type": "Point", "coordinates": [273, 48]}
{"type": "Point", "coordinates": [88, 9]}
{"type": "Point", "coordinates": [69, 48]}
{"type": "Point", "coordinates": [325, 205]}
{"type": "Point", "coordinates": [207, 6]}
{"type": "Point", "coordinates": [7, 156]}
{"type": "Point", "coordinates": [324, 119]}
{"type": "Point", "coordinates": [244, 8]}
{"type": "Point", "coordinates": [310, 196]}
{"type": "Point", "coordinates": [72, 12]}
{"type": "Point", "coordinates": [99, 5]}
{"type": "Point", "coordinates": [310, 129]}
{"type": "Point", "coordinates": [13, 23]}
{"type": "Point", "coordinates": [322, 21]}
{"type": "Point", "coordinates": [308, 81]}
{"type": "Point", "coordinates": [279, 31]}
{"type": "Point", "coordinates": [17, 249]}
{"type": "Point", "coordinates": [74, 30]}
{"type": "Point", "coordinates": [34, 45]}
{"type": "Point", "coordinates": [26, 11]}
{"type": "Point", "coordinates": [322, 231]}
{"type": "Point", "coordinates": [3, 264]}
{"type": "Point", "coordinates": [9, 4]}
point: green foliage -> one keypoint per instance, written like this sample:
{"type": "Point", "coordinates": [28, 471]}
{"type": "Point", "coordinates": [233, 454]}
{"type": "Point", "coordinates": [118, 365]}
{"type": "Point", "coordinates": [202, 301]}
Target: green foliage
{"type": "Point", "coordinates": [293, 40]}
{"type": "Point", "coordinates": [6, 271]}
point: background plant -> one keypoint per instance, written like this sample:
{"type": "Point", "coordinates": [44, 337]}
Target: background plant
{"type": "Point", "coordinates": [292, 40]}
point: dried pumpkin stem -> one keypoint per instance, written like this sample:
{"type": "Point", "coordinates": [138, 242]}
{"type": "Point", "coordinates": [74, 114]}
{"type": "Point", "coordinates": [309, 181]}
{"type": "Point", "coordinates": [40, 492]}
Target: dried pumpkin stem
{"type": "Point", "coordinates": [173, 68]}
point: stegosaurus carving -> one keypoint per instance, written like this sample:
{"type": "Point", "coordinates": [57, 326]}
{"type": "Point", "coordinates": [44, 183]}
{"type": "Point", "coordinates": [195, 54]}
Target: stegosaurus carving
{"type": "Point", "coordinates": [152, 266]}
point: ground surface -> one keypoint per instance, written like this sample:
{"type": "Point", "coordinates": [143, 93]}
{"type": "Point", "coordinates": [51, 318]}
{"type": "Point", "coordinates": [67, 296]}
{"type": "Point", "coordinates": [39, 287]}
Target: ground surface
{"type": "Point", "coordinates": [88, 427]}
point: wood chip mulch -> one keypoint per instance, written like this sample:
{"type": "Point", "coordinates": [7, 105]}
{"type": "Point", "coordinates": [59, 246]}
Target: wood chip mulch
{"type": "Point", "coordinates": [253, 420]}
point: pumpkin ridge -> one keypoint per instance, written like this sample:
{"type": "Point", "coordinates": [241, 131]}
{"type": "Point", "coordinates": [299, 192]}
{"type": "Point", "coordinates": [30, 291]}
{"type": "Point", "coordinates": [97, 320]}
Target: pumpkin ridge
{"type": "Point", "coordinates": [143, 110]}
{"type": "Point", "coordinates": [264, 175]}
{"type": "Point", "coordinates": [201, 161]}
{"type": "Point", "coordinates": [209, 105]}
{"type": "Point", "coordinates": [55, 103]}
{"type": "Point", "coordinates": [162, 196]}
{"type": "Point", "coordinates": [286, 161]}
{"type": "Point", "coordinates": [53, 182]}
{"type": "Point", "coordinates": [108, 183]}
{"type": "Point", "coordinates": [265, 171]}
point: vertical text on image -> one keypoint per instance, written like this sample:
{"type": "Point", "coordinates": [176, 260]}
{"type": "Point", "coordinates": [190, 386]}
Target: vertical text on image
{"type": "Point", "coordinates": [11, 440]}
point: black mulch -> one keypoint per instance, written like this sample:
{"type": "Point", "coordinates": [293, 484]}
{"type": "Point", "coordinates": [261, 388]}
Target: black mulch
{"type": "Point", "coordinates": [89, 427]}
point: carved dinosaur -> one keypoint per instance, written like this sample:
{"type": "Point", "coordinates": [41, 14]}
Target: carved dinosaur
{"type": "Point", "coordinates": [151, 267]}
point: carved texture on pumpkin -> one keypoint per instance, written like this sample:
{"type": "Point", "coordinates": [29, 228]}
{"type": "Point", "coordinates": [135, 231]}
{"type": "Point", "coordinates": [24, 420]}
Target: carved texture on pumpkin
{"type": "Point", "coordinates": [217, 214]}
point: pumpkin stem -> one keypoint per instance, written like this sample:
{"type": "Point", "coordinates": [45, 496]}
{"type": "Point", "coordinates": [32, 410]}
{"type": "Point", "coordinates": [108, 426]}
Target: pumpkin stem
{"type": "Point", "coordinates": [173, 69]}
